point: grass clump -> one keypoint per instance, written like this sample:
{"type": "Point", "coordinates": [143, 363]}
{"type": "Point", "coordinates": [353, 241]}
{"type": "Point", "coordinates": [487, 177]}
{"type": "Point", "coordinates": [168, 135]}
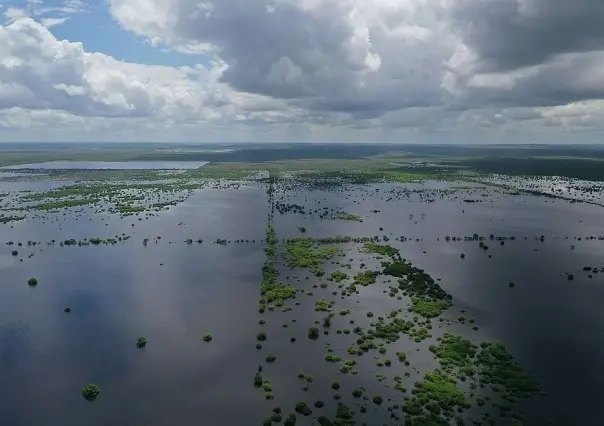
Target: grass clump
{"type": "Point", "coordinates": [207, 337]}
{"type": "Point", "coordinates": [141, 342]}
{"type": "Point", "coordinates": [313, 333]}
{"type": "Point", "coordinates": [271, 358]}
{"type": "Point", "coordinates": [261, 336]}
{"type": "Point", "coordinates": [32, 282]}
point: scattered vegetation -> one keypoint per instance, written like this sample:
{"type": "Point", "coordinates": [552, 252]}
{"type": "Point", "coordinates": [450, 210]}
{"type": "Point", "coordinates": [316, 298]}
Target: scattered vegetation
{"type": "Point", "coordinates": [305, 254]}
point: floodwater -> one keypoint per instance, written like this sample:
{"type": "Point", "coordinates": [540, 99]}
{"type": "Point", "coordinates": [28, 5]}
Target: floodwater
{"type": "Point", "coordinates": [172, 293]}
{"type": "Point", "coordinates": [108, 165]}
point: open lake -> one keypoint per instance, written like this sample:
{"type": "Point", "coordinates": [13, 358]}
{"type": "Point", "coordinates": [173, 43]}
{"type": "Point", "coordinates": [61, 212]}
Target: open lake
{"type": "Point", "coordinates": [108, 165]}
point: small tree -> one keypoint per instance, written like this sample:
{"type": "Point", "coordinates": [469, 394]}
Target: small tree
{"type": "Point", "coordinates": [90, 391]}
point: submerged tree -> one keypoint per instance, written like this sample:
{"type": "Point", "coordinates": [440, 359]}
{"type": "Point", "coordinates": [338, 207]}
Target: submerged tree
{"type": "Point", "coordinates": [90, 391]}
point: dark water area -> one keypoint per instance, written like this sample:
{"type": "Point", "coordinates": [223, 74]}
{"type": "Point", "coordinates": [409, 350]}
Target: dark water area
{"type": "Point", "coordinates": [172, 292]}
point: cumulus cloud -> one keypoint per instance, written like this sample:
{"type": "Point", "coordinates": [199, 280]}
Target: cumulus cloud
{"type": "Point", "coordinates": [391, 67]}
{"type": "Point", "coordinates": [39, 72]}
{"type": "Point", "coordinates": [526, 52]}
{"type": "Point", "coordinates": [363, 57]}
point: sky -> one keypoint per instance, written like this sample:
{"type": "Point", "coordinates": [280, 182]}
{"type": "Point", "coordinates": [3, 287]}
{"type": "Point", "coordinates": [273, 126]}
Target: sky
{"type": "Point", "coordinates": [414, 71]}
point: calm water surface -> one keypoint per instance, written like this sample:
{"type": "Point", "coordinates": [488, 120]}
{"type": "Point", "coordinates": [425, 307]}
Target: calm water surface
{"type": "Point", "coordinates": [109, 165]}
{"type": "Point", "coordinates": [172, 293]}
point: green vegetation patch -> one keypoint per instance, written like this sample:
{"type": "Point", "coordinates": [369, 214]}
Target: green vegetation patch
{"type": "Point", "coordinates": [7, 219]}
{"type": "Point", "coordinates": [304, 253]}
{"type": "Point", "coordinates": [54, 205]}
{"type": "Point", "coordinates": [274, 292]}
{"type": "Point", "coordinates": [90, 391]}
{"type": "Point", "coordinates": [497, 366]}
{"type": "Point", "coordinates": [429, 308]}
{"type": "Point", "coordinates": [427, 297]}
{"type": "Point", "coordinates": [348, 216]}
{"type": "Point", "coordinates": [323, 305]}
{"type": "Point", "coordinates": [339, 276]}
{"type": "Point", "coordinates": [381, 249]}
{"type": "Point", "coordinates": [433, 397]}
{"type": "Point", "coordinates": [454, 351]}
{"type": "Point", "coordinates": [366, 278]}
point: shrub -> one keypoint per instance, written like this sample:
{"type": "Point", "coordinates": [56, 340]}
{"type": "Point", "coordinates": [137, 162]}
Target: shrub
{"type": "Point", "coordinates": [141, 342]}
{"type": "Point", "coordinates": [32, 282]}
{"type": "Point", "coordinates": [90, 391]}
{"type": "Point", "coordinates": [302, 408]}
{"type": "Point", "coordinates": [207, 337]}
{"type": "Point", "coordinates": [261, 336]}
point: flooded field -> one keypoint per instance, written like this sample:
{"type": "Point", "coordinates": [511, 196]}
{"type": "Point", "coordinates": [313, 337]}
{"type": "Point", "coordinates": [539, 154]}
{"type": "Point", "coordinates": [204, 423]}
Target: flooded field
{"type": "Point", "coordinates": [253, 313]}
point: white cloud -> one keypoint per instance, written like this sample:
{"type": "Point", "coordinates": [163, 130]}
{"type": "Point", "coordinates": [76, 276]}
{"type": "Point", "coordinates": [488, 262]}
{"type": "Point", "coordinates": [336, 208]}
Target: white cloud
{"type": "Point", "coordinates": [45, 73]}
{"type": "Point", "coordinates": [392, 69]}
{"type": "Point", "coordinates": [13, 13]}
{"type": "Point", "coordinates": [51, 22]}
